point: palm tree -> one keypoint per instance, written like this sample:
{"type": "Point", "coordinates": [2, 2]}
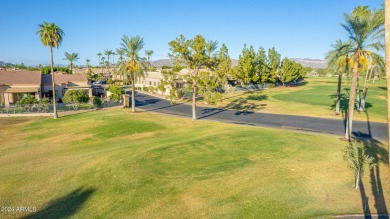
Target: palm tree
{"type": "Point", "coordinates": [100, 54]}
{"type": "Point", "coordinates": [339, 61]}
{"type": "Point", "coordinates": [87, 61]}
{"type": "Point", "coordinates": [120, 52]}
{"type": "Point", "coordinates": [108, 53]}
{"type": "Point", "coordinates": [102, 62]}
{"type": "Point", "coordinates": [211, 47]}
{"type": "Point", "coordinates": [133, 68]}
{"type": "Point", "coordinates": [71, 57]}
{"type": "Point", "coordinates": [361, 26]}
{"type": "Point", "coordinates": [387, 60]}
{"type": "Point", "coordinates": [149, 54]}
{"type": "Point", "coordinates": [51, 35]}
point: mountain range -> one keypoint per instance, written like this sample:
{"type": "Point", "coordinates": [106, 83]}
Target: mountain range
{"type": "Point", "coordinates": [313, 63]}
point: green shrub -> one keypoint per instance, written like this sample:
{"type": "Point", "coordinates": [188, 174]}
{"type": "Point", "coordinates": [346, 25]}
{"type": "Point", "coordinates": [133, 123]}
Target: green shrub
{"type": "Point", "coordinates": [27, 99]}
{"type": "Point", "coordinates": [76, 97]}
{"type": "Point", "coordinates": [97, 102]}
{"type": "Point", "coordinates": [116, 92]}
{"type": "Point", "coordinates": [45, 101]}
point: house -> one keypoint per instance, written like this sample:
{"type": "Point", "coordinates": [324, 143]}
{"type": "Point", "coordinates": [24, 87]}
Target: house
{"type": "Point", "coordinates": [154, 79]}
{"type": "Point", "coordinates": [64, 82]}
{"type": "Point", "coordinates": [15, 84]}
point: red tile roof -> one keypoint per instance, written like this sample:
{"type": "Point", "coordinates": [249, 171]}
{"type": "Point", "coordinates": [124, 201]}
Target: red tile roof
{"type": "Point", "coordinates": [20, 77]}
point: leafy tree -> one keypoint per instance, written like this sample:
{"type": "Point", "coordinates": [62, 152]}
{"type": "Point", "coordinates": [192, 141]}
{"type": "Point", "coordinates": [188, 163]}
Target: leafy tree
{"type": "Point", "coordinates": [51, 35]}
{"type": "Point", "coordinates": [71, 57]}
{"type": "Point", "coordinates": [361, 25]}
{"type": "Point", "coordinates": [75, 97]}
{"type": "Point", "coordinates": [169, 81]}
{"type": "Point", "coordinates": [116, 92]}
{"type": "Point", "coordinates": [192, 54]}
{"type": "Point", "coordinates": [262, 68]}
{"type": "Point", "coordinates": [247, 67]}
{"type": "Point", "coordinates": [133, 68]}
{"type": "Point", "coordinates": [47, 70]}
{"type": "Point", "coordinates": [355, 155]}
{"type": "Point", "coordinates": [291, 71]}
{"type": "Point", "coordinates": [224, 64]}
{"type": "Point", "coordinates": [274, 64]}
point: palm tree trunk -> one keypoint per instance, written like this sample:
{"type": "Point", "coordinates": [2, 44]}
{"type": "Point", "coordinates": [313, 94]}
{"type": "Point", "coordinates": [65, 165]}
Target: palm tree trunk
{"type": "Point", "coordinates": [53, 84]}
{"type": "Point", "coordinates": [357, 179]}
{"type": "Point", "coordinates": [387, 59]}
{"type": "Point", "coordinates": [132, 95]}
{"type": "Point", "coordinates": [365, 90]}
{"type": "Point", "coordinates": [338, 93]}
{"type": "Point", "coordinates": [71, 68]}
{"type": "Point", "coordinates": [352, 94]}
{"type": "Point", "coordinates": [194, 102]}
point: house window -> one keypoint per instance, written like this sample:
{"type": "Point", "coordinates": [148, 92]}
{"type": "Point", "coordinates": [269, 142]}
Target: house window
{"type": "Point", "coordinates": [154, 83]}
{"type": "Point", "coordinates": [150, 83]}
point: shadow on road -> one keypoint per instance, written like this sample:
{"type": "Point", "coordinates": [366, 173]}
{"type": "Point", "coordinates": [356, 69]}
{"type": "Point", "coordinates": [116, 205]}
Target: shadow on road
{"type": "Point", "coordinates": [242, 106]}
{"type": "Point", "coordinates": [66, 206]}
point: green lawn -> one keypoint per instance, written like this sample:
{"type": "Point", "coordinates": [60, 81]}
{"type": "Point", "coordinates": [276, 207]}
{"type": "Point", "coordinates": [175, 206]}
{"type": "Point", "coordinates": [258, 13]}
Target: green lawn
{"type": "Point", "coordinates": [315, 98]}
{"type": "Point", "coordinates": [115, 164]}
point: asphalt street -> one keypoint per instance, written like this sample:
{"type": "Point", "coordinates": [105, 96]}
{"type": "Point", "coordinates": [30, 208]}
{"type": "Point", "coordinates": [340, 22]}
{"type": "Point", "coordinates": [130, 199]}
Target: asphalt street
{"type": "Point", "coordinates": [372, 130]}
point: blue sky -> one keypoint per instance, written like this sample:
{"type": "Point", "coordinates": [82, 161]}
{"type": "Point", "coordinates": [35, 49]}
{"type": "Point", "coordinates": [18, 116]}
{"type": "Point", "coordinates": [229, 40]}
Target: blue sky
{"type": "Point", "coordinates": [296, 28]}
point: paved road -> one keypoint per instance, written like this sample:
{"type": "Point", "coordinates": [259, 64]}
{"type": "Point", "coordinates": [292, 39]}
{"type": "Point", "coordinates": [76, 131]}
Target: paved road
{"type": "Point", "coordinates": [372, 130]}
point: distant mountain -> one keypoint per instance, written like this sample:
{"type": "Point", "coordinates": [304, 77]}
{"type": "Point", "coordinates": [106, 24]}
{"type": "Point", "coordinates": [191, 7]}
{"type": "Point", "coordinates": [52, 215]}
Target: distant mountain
{"type": "Point", "coordinates": [162, 62]}
{"type": "Point", "coordinates": [2, 63]}
{"type": "Point", "coordinates": [313, 63]}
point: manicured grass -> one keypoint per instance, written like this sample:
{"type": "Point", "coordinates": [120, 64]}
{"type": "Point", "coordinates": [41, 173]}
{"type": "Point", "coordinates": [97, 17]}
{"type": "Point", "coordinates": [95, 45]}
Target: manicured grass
{"type": "Point", "coordinates": [315, 98]}
{"type": "Point", "coordinates": [115, 164]}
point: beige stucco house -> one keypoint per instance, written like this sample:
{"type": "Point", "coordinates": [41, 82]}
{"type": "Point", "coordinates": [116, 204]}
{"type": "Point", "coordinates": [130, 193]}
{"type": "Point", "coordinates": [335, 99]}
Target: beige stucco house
{"type": "Point", "coordinates": [64, 82]}
{"type": "Point", "coordinates": [15, 84]}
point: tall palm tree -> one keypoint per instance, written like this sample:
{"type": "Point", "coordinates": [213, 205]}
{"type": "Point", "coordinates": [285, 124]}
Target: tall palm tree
{"type": "Point", "coordinates": [149, 54]}
{"type": "Point", "coordinates": [108, 53]}
{"type": "Point", "coordinates": [211, 47]}
{"type": "Point", "coordinates": [338, 60]}
{"type": "Point", "coordinates": [100, 54]}
{"type": "Point", "coordinates": [102, 62]}
{"type": "Point", "coordinates": [71, 57]}
{"type": "Point", "coordinates": [87, 61]}
{"type": "Point", "coordinates": [120, 52]}
{"type": "Point", "coordinates": [51, 35]}
{"type": "Point", "coordinates": [132, 68]}
{"type": "Point", "coordinates": [361, 26]}
{"type": "Point", "coordinates": [387, 60]}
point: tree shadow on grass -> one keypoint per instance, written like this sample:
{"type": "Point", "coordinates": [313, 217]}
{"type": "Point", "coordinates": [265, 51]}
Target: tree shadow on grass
{"type": "Point", "coordinates": [376, 150]}
{"type": "Point", "coordinates": [66, 206]}
{"type": "Point", "coordinates": [383, 88]}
